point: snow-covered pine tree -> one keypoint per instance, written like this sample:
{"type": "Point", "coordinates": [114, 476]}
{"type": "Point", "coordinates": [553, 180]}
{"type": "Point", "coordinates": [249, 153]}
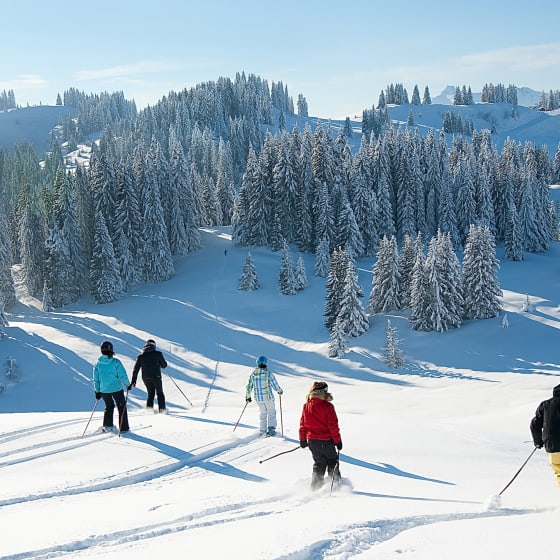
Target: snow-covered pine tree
{"type": "Point", "coordinates": [392, 352]}
{"type": "Point", "coordinates": [322, 259]}
{"type": "Point", "coordinates": [385, 290]}
{"type": "Point", "coordinates": [481, 289]}
{"type": "Point", "coordinates": [158, 264]}
{"type": "Point", "coordinates": [513, 242]}
{"type": "Point", "coordinates": [105, 280]}
{"type": "Point", "coordinates": [407, 259]}
{"type": "Point", "coordinates": [352, 315]}
{"type": "Point", "coordinates": [249, 279]}
{"type": "Point", "coordinates": [338, 345]}
{"type": "Point", "coordinates": [286, 277]}
{"type": "Point", "coordinates": [178, 177]}
{"type": "Point", "coordinates": [7, 289]}
{"type": "Point", "coordinates": [334, 286]}
{"type": "Point", "coordinates": [301, 275]}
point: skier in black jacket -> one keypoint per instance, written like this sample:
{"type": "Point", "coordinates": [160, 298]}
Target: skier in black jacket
{"type": "Point", "coordinates": [151, 361]}
{"type": "Point", "coordinates": [545, 429]}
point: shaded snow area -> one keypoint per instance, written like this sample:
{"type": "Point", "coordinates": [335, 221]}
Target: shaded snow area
{"type": "Point", "coordinates": [426, 447]}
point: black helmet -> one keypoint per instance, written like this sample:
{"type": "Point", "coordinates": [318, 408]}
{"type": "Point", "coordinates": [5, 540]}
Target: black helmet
{"type": "Point", "coordinates": [107, 348]}
{"type": "Point", "coordinates": [150, 343]}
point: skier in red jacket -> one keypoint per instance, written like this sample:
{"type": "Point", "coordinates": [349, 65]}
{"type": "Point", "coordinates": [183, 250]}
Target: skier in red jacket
{"type": "Point", "coordinates": [318, 430]}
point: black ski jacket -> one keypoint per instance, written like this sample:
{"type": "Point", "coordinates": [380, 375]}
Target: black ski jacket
{"type": "Point", "coordinates": [545, 425]}
{"type": "Point", "coordinates": [150, 361]}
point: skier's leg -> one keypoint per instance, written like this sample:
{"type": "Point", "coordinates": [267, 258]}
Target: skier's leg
{"type": "Point", "coordinates": [555, 464]}
{"type": "Point", "coordinates": [319, 463]}
{"type": "Point", "coordinates": [151, 390]}
{"type": "Point", "coordinates": [263, 416]}
{"type": "Point", "coordinates": [271, 415]}
{"type": "Point", "coordinates": [333, 466]}
{"type": "Point", "coordinates": [109, 408]}
{"type": "Point", "coordinates": [158, 385]}
{"type": "Point", "coordinates": [121, 406]}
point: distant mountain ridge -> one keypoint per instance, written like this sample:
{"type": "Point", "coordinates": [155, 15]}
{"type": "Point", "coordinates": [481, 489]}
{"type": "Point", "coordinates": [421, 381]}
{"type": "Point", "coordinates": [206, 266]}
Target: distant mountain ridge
{"type": "Point", "coordinates": [35, 124]}
{"type": "Point", "coordinates": [526, 97]}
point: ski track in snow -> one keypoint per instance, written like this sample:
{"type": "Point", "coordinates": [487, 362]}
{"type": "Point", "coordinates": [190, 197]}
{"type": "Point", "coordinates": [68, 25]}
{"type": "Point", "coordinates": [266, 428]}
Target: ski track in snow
{"type": "Point", "coordinates": [358, 538]}
{"type": "Point", "coordinates": [143, 474]}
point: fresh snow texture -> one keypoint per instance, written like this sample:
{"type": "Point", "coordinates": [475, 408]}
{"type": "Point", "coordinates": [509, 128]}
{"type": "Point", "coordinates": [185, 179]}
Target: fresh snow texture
{"type": "Point", "coordinates": [427, 447]}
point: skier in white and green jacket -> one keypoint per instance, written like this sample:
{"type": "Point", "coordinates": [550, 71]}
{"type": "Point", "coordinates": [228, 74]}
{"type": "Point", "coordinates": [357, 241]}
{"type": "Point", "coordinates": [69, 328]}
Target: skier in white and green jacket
{"type": "Point", "coordinates": [261, 383]}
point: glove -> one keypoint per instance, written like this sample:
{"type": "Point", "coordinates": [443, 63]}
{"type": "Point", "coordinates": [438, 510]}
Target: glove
{"type": "Point", "coordinates": [129, 387]}
{"type": "Point", "coordinates": [339, 445]}
{"type": "Point", "coordinates": [539, 445]}
{"type": "Point", "coordinates": [280, 392]}
{"type": "Point", "coordinates": [97, 395]}
{"type": "Point", "coordinates": [303, 444]}
{"type": "Point", "coordinates": [248, 399]}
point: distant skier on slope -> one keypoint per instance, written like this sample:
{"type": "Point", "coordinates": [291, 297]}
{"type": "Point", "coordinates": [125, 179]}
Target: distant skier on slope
{"type": "Point", "coordinates": [109, 380]}
{"type": "Point", "coordinates": [151, 362]}
{"type": "Point", "coordinates": [261, 383]}
{"type": "Point", "coordinates": [318, 430]}
{"type": "Point", "coordinates": [545, 429]}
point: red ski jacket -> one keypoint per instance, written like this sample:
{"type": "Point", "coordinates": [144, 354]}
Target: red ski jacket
{"type": "Point", "coordinates": [319, 421]}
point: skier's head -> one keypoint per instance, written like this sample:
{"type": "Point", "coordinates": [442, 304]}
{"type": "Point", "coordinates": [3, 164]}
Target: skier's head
{"type": "Point", "coordinates": [150, 343]}
{"type": "Point", "coordinates": [107, 348]}
{"type": "Point", "coordinates": [556, 391]}
{"type": "Point", "coordinates": [319, 389]}
{"type": "Point", "coordinates": [261, 361]}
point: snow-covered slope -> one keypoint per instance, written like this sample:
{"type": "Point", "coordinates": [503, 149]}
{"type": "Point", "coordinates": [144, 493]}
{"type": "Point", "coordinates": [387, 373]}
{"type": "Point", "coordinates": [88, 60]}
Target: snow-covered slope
{"type": "Point", "coordinates": [425, 446]}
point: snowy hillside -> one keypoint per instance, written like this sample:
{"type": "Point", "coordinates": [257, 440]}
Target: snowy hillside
{"type": "Point", "coordinates": [425, 446]}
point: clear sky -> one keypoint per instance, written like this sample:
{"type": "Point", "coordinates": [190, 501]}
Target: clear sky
{"type": "Point", "coordinates": [339, 55]}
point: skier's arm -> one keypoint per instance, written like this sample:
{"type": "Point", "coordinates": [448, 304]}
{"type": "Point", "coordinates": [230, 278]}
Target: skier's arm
{"type": "Point", "coordinates": [536, 426]}
{"type": "Point", "coordinates": [136, 369]}
{"type": "Point", "coordinates": [249, 387]}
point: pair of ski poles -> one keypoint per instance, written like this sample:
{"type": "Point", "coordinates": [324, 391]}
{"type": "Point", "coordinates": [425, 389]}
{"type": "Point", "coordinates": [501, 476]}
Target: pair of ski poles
{"type": "Point", "coordinates": [125, 403]}
{"type": "Point", "coordinates": [281, 416]}
{"type": "Point", "coordinates": [121, 416]}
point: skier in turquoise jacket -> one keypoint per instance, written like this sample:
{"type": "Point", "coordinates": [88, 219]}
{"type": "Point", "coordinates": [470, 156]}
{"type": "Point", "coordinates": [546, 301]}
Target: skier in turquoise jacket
{"type": "Point", "coordinates": [109, 382]}
{"type": "Point", "coordinates": [261, 383]}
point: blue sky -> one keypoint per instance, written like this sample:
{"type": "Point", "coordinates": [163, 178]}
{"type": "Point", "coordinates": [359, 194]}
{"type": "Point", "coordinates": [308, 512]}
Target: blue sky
{"type": "Point", "coordinates": [338, 55]}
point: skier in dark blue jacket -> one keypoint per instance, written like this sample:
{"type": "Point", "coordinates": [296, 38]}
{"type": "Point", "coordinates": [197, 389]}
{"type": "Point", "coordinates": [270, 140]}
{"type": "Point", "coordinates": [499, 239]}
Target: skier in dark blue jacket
{"type": "Point", "coordinates": [151, 362]}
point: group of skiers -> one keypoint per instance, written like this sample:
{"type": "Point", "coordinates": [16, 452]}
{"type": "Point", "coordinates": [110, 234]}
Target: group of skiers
{"type": "Point", "coordinates": [110, 380]}
{"type": "Point", "coordinates": [318, 430]}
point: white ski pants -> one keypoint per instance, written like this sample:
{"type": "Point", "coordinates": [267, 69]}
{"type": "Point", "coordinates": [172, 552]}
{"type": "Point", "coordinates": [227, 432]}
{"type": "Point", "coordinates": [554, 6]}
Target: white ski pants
{"type": "Point", "coordinates": [267, 415]}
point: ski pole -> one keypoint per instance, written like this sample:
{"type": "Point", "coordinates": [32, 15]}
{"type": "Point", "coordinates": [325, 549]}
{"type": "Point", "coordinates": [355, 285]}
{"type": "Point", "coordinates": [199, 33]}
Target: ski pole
{"type": "Point", "coordinates": [246, 403]}
{"type": "Point", "coordinates": [91, 416]}
{"type": "Point", "coordinates": [121, 418]}
{"type": "Point", "coordinates": [179, 389]}
{"type": "Point", "coordinates": [336, 468]}
{"type": "Point", "coordinates": [517, 473]}
{"type": "Point", "coordinates": [281, 418]}
{"type": "Point", "coordinates": [278, 454]}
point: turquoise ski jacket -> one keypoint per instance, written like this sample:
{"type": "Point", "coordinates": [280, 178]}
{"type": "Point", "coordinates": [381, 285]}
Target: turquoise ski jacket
{"type": "Point", "coordinates": [109, 375]}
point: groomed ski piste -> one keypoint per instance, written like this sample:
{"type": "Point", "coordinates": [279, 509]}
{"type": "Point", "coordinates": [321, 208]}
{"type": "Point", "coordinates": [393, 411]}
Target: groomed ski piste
{"type": "Point", "coordinates": [425, 446]}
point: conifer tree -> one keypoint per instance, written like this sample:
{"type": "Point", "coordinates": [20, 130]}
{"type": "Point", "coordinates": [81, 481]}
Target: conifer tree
{"type": "Point", "coordinates": [338, 345]}
{"type": "Point", "coordinates": [480, 275]}
{"type": "Point", "coordinates": [301, 275]}
{"type": "Point", "coordinates": [513, 242]}
{"type": "Point", "coordinates": [352, 316]}
{"type": "Point", "coordinates": [249, 279]}
{"type": "Point", "coordinates": [7, 289]}
{"type": "Point", "coordinates": [286, 277]}
{"type": "Point", "coordinates": [105, 280]}
{"type": "Point", "coordinates": [335, 283]}
{"type": "Point", "coordinates": [322, 259]}
{"type": "Point", "coordinates": [392, 352]}
{"type": "Point", "coordinates": [386, 289]}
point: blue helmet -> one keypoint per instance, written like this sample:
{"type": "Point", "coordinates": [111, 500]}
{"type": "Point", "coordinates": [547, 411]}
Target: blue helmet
{"type": "Point", "coordinates": [262, 361]}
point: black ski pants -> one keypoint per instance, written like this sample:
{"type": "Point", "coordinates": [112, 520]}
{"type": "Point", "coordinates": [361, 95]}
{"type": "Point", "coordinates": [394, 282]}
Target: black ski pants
{"type": "Point", "coordinates": [111, 400]}
{"type": "Point", "coordinates": [325, 458]}
{"type": "Point", "coordinates": [154, 386]}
